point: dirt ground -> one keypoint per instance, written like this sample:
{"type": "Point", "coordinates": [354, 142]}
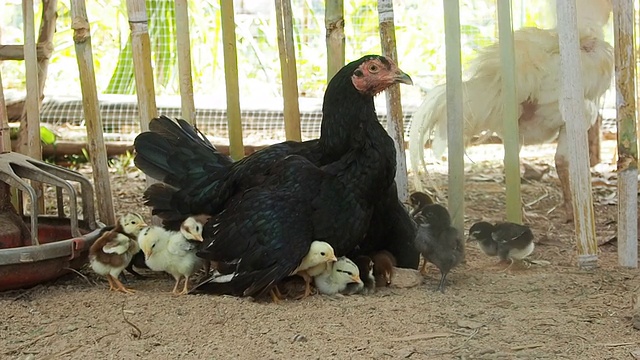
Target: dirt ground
{"type": "Point", "coordinates": [553, 311]}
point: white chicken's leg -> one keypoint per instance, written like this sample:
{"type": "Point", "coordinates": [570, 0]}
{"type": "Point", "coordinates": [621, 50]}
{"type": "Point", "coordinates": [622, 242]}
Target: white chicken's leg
{"type": "Point", "coordinates": [562, 168]}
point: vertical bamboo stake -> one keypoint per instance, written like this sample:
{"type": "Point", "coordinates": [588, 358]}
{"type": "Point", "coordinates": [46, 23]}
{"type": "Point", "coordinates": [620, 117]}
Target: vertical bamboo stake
{"type": "Point", "coordinates": [334, 24]}
{"type": "Point", "coordinates": [394, 106]}
{"type": "Point", "coordinates": [623, 24]}
{"type": "Point", "coordinates": [572, 110]}
{"type": "Point", "coordinates": [30, 144]}
{"type": "Point", "coordinates": [142, 69]}
{"type": "Point", "coordinates": [455, 125]}
{"type": "Point", "coordinates": [45, 40]}
{"type": "Point", "coordinates": [284, 20]}
{"type": "Point", "coordinates": [5, 131]}
{"type": "Point", "coordinates": [236, 146]}
{"type": "Point", "coordinates": [95, 139]}
{"type": "Point", "coordinates": [183, 49]}
{"type": "Point", "coordinates": [510, 115]}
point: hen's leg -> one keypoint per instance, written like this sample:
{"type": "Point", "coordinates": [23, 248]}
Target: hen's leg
{"type": "Point", "coordinates": [594, 142]}
{"type": "Point", "coordinates": [562, 168]}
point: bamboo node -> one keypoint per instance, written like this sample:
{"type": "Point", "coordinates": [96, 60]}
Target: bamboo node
{"type": "Point", "coordinates": [333, 25]}
{"type": "Point", "coordinates": [588, 262]}
{"type": "Point", "coordinates": [80, 30]}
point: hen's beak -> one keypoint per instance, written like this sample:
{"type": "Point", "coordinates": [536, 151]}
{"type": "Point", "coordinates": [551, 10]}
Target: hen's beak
{"type": "Point", "coordinates": [402, 78]}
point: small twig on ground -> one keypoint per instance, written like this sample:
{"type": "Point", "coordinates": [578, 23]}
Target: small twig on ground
{"type": "Point", "coordinates": [427, 336]}
{"type": "Point", "coordinates": [464, 343]}
{"type": "Point", "coordinates": [95, 341]}
{"type": "Point", "coordinates": [619, 344]}
{"type": "Point", "coordinates": [137, 334]}
{"type": "Point", "coordinates": [530, 204]}
{"type": "Point", "coordinates": [525, 347]}
{"type": "Point", "coordinates": [29, 343]}
{"type": "Point", "coordinates": [62, 353]}
{"type": "Point", "coordinates": [81, 275]}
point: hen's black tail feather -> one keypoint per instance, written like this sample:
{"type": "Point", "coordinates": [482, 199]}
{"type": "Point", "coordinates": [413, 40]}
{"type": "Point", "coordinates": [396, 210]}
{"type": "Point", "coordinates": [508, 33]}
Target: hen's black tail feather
{"type": "Point", "coordinates": [175, 152]}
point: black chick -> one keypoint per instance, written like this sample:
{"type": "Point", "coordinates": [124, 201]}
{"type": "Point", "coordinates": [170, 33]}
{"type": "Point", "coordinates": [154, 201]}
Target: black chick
{"type": "Point", "coordinates": [418, 200]}
{"type": "Point", "coordinates": [368, 285]}
{"type": "Point", "coordinates": [508, 240]}
{"type": "Point", "coordinates": [438, 242]}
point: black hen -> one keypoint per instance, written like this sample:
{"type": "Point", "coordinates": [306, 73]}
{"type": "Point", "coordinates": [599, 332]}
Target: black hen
{"type": "Point", "coordinates": [270, 207]}
{"type": "Point", "coordinates": [199, 179]}
{"type": "Point", "coordinates": [439, 242]}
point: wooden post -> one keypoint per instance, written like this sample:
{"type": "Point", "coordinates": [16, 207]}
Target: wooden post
{"type": "Point", "coordinates": [334, 24]}
{"type": "Point", "coordinates": [5, 131]}
{"type": "Point", "coordinates": [95, 138]}
{"type": "Point", "coordinates": [395, 119]}
{"type": "Point", "coordinates": [142, 69]}
{"type": "Point", "coordinates": [284, 20]}
{"type": "Point", "coordinates": [511, 139]}
{"type": "Point", "coordinates": [455, 122]}
{"type": "Point", "coordinates": [236, 147]}
{"type": "Point", "coordinates": [572, 110]}
{"type": "Point", "coordinates": [623, 24]}
{"type": "Point", "coordinates": [30, 132]}
{"type": "Point", "coordinates": [183, 50]}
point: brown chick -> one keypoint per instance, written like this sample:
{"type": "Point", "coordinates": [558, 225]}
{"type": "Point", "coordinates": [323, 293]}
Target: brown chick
{"type": "Point", "coordinates": [110, 254]}
{"type": "Point", "coordinates": [418, 200]}
{"type": "Point", "coordinates": [130, 224]}
{"type": "Point", "coordinates": [383, 263]}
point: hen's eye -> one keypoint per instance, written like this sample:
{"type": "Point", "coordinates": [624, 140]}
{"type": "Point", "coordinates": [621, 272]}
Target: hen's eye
{"type": "Point", "coordinates": [374, 68]}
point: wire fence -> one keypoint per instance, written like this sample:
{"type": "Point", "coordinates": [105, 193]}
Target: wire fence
{"type": "Point", "coordinates": [419, 32]}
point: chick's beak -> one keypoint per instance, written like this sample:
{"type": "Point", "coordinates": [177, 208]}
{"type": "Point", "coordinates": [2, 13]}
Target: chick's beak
{"type": "Point", "coordinates": [402, 78]}
{"type": "Point", "coordinates": [356, 278]}
{"type": "Point", "coordinates": [197, 236]}
{"type": "Point", "coordinates": [333, 258]}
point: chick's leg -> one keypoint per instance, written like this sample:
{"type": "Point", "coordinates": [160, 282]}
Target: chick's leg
{"type": "Point", "coordinates": [175, 287]}
{"type": "Point", "coordinates": [275, 295]}
{"type": "Point", "coordinates": [185, 289]}
{"type": "Point", "coordinates": [423, 268]}
{"type": "Point", "coordinates": [443, 280]}
{"type": "Point", "coordinates": [119, 287]}
{"type": "Point", "coordinates": [112, 286]}
{"type": "Point", "coordinates": [307, 285]}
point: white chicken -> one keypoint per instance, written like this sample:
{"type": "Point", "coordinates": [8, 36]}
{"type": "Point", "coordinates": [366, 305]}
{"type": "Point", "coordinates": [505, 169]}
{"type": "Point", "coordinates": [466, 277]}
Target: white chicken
{"type": "Point", "coordinates": [173, 251]}
{"type": "Point", "coordinates": [337, 276]}
{"type": "Point", "coordinates": [537, 92]}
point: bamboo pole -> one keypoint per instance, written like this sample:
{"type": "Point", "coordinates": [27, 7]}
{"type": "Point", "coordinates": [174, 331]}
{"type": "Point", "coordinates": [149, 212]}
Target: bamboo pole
{"type": "Point", "coordinates": [183, 50]}
{"type": "Point", "coordinates": [30, 132]}
{"type": "Point", "coordinates": [395, 119]}
{"type": "Point", "coordinates": [5, 131]}
{"type": "Point", "coordinates": [284, 20]}
{"type": "Point", "coordinates": [572, 110]}
{"type": "Point", "coordinates": [510, 113]}
{"type": "Point", "coordinates": [142, 69]}
{"type": "Point", "coordinates": [227, 20]}
{"type": "Point", "coordinates": [455, 124]}
{"type": "Point", "coordinates": [334, 24]}
{"type": "Point", "coordinates": [95, 138]}
{"type": "Point", "coordinates": [623, 24]}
